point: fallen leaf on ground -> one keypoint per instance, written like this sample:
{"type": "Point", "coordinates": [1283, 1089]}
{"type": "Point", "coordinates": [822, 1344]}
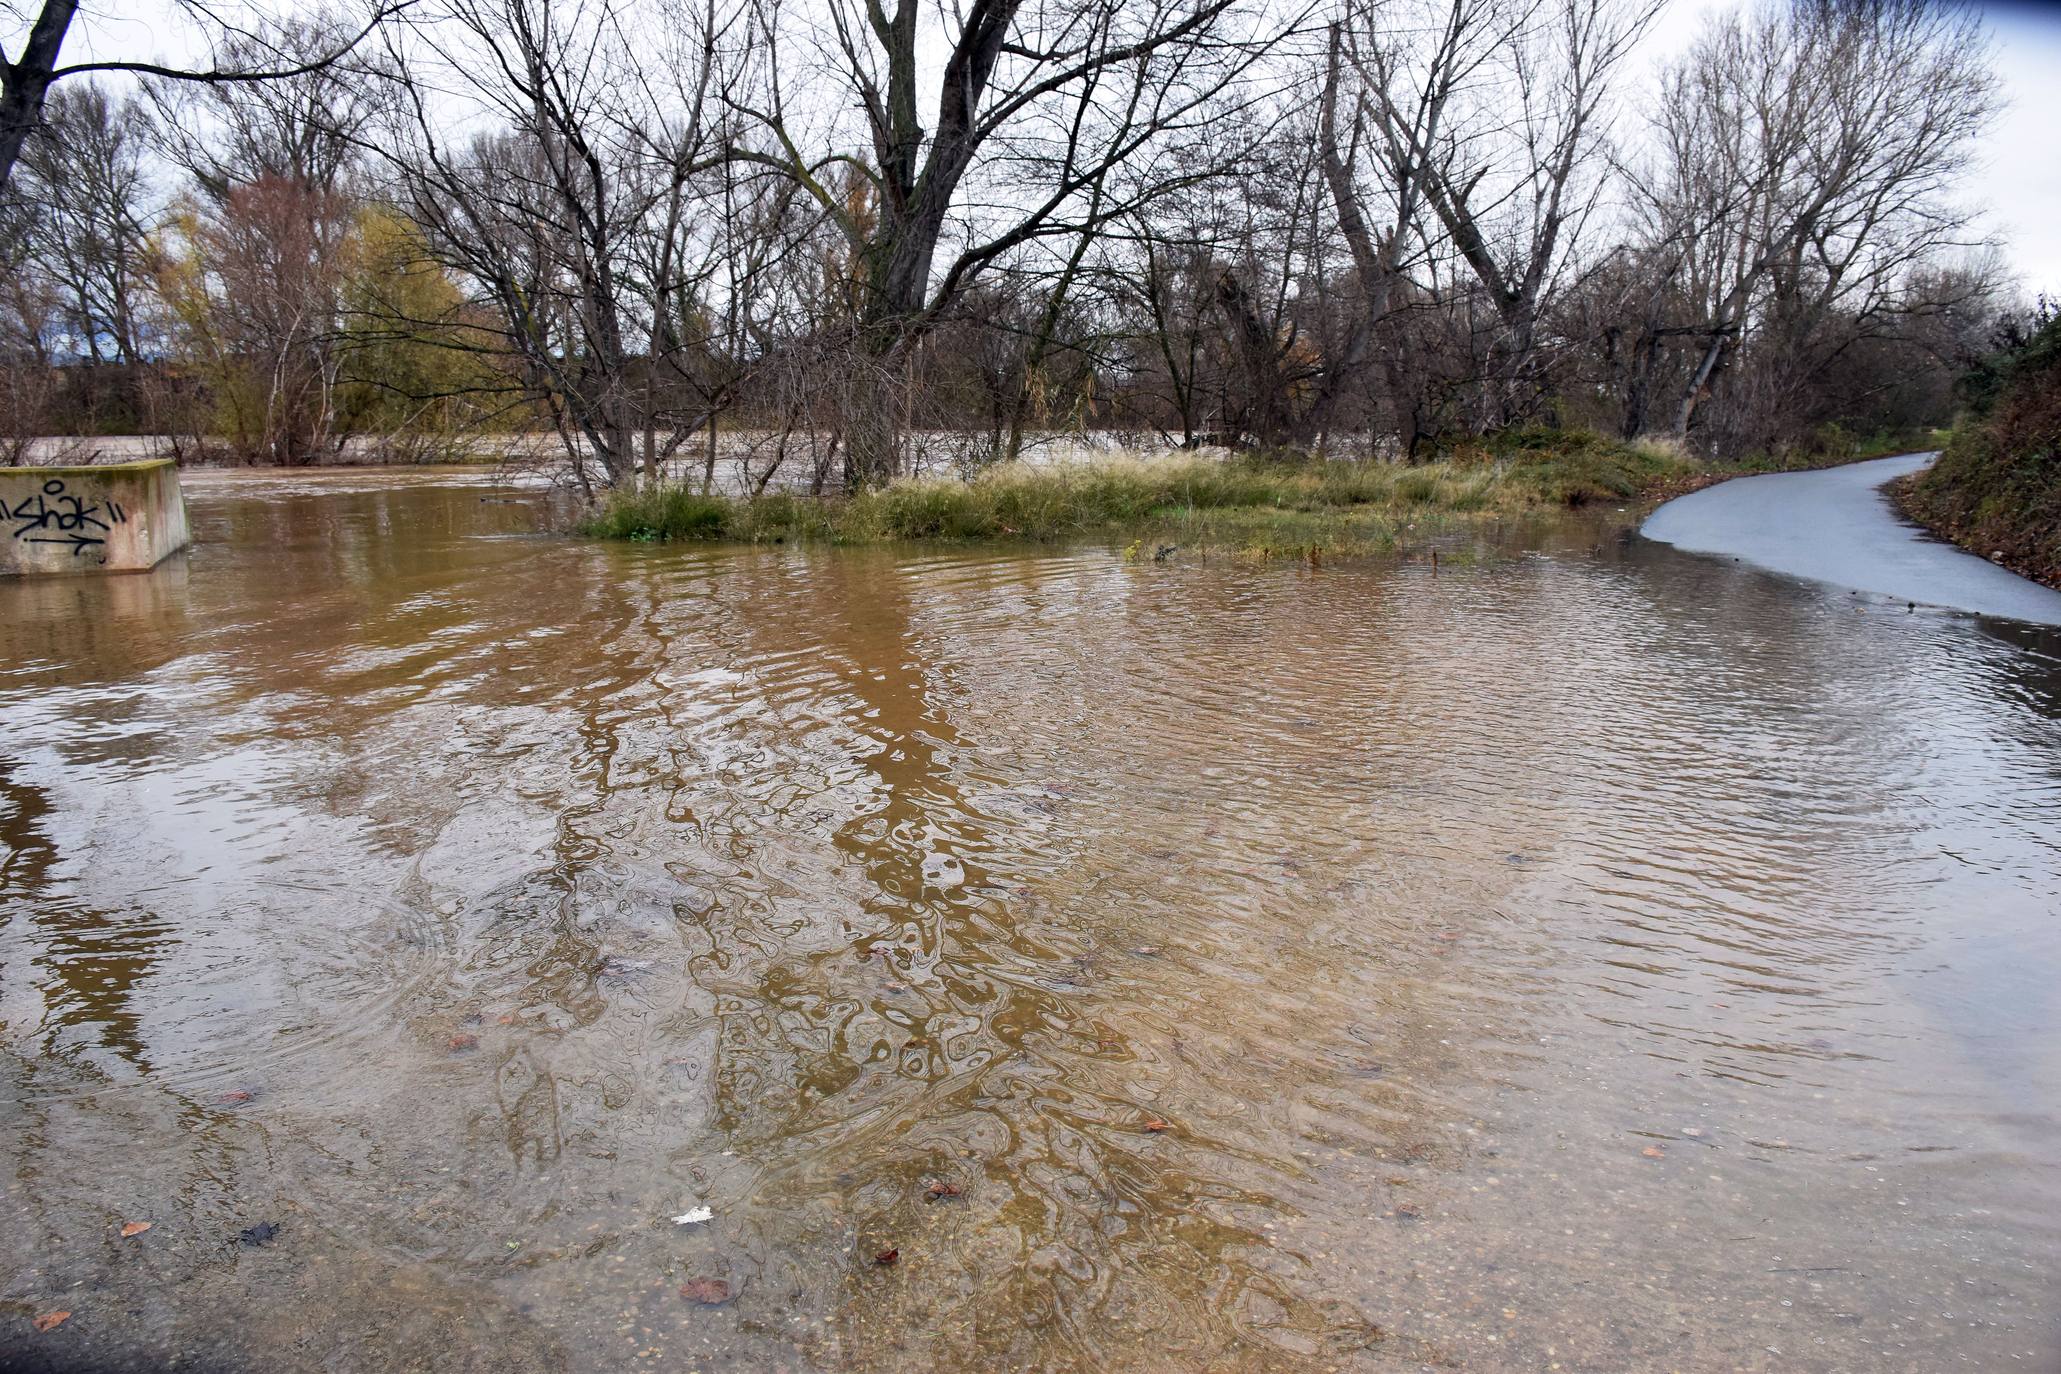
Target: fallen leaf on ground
{"type": "Point", "coordinates": [1155, 1125]}
{"type": "Point", "coordinates": [708, 1292]}
{"type": "Point", "coordinates": [694, 1216]}
{"type": "Point", "coordinates": [50, 1321]}
{"type": "Point", "coordinates": [134, 1228]}
{"type": "Point", "coordinates": [1654, 1152]}
{"type": "Point", "coordinates": [886, 1257]}
{"type": "Point", "coordinates": [939, 1189]}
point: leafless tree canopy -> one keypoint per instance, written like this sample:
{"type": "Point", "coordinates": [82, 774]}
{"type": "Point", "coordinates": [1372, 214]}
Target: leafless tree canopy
{"type": "Point", "coordinates": [832, 235]}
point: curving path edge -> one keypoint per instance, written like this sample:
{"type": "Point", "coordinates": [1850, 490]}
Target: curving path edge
{"type": "Point", "coordinates": [1836, 525]}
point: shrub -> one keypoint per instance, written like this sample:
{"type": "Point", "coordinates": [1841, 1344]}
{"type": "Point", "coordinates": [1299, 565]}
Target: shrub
{"type": "Point", "coordinates": [1997, 485]}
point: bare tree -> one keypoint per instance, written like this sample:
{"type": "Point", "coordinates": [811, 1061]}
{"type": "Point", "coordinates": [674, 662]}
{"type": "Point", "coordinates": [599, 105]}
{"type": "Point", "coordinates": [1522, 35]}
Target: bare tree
{"type": "Point", "coordinates": [1807, 156]}
{"type": "Point", "coordinates": [1387, 95]}
{"type": "Point", "coordinates": [1502, 117]}
{"type": "Point", "coordinates": [1050, 120]}
{"type": "Point", "coordinates": [26, 81]}
{"type": "Point", "coordinates": [576, 220]}
{"type": "Point", "coordinates": [256, 296]}
{"type": "Point", "coordinates": [91, 215]}
{"type": "Point", "coordinates": [305, 127]}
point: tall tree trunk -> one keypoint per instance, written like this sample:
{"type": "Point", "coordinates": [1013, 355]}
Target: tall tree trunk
{"type": "Point", "coordinates": [1373, 260]}
{"type": "Point", "coordinates": [1699, 384]}
{"type": "Point", "coordinates": [708, 466]}
{"type": "Point", "coordinates": [25, 81]}
{"type": "Point", "coordinates": [1259, 359]}
{"type": "Point", "coordinates": [873, 438]}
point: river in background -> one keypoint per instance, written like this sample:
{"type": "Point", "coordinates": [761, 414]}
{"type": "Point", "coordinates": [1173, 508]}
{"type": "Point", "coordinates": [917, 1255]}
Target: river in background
{"type": "Point", "coordinates": [1596, 957]}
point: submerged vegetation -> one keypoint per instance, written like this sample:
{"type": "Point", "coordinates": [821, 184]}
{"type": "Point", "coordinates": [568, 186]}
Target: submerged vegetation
{"type": "Point", "coordinates": [1262, 504]}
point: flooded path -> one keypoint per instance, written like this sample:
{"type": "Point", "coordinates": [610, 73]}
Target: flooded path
{"type": "Point", "coordinates": [1837, 526]}
{"type": "Point", "coordinates": [1601, 958]}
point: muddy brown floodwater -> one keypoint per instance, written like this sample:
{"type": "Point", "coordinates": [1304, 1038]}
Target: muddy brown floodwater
{"type": "Point", "coordinates": [1595, 958]}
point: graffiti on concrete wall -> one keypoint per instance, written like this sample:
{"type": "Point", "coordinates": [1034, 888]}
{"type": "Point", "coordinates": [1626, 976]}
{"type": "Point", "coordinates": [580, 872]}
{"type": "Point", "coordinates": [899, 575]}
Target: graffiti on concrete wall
{"type": "Point", "coordinates": [54, 516]}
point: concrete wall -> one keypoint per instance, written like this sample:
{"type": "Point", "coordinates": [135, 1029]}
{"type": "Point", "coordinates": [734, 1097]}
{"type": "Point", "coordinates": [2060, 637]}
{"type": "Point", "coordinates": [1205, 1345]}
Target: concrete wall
{"type": "Point", "coordinates": [115, 518]}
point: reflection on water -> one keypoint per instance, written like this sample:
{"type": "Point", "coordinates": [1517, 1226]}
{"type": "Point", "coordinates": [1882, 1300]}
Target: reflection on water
{"type": "Point", "coordinates": [1599, 958]}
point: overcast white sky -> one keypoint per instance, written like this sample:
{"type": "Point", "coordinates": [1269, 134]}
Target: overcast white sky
{"type": "Point", "coordinates": [2017, 179]}
{"type": "Point", "coordinates": [2020, 179]}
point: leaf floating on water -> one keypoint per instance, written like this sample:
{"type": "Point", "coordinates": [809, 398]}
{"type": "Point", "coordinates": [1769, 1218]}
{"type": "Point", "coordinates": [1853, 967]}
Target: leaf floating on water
{"type": "Point", "coordinates": [940, 1189]}
{"type": "Point", "coordinates": [235, 1097]}
{"type": "Point", "coordinates": [887, 1257]}
{"type": "Point", "coordinates": [1156, 1126]}
{"type": "Point", "coordinates": [1654, 1152]}
{"type": "Point", "coordinates": [50, 1321]}
{"type": "Point", "coordinates": [463, 1041]}
{"type": "Point", "coordinates": [707, 1292]}
{"type": "Point", "coordinates": [134, 1228]}
{"type": "Point", "coordinates": [694, 1216]}
{"type": "Point", "coordinates": [260, 1234]}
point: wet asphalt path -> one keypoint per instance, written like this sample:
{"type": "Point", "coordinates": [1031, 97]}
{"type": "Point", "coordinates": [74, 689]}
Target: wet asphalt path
{"type": "Point", "coordinates": [1837, 526]}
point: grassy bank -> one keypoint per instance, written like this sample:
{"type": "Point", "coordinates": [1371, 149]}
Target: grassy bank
{"type": "Point", "coordinates": [1264, 507]}
{"type": "Point", "coordinates": [1996, 489]}
{"type": "Point", "coordinates": [1831, 447]}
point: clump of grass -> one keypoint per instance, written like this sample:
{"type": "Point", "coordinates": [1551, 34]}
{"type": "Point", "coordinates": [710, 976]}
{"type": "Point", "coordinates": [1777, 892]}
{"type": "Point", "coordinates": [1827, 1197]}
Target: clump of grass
{"type": "Point", "coordinates": [1578, 467]}
{"type": "Point", "coordinates": [662, 513]}
{"type": "Point", "coordinates": [1294, 505]}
